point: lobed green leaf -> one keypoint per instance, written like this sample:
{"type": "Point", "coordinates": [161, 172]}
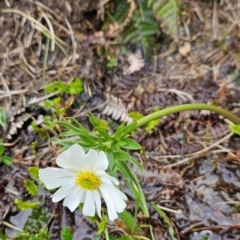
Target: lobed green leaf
{"type": "Point", "coordinates": [25, 205]}
{"type": "Point", "coordinates": [31, 187]}
{"type": "Point", "coordinates": [235, 128]}
{"type": "Point", "coordinates": [66, 233]}
{"type": "Point", "coordinates": [130, 144]}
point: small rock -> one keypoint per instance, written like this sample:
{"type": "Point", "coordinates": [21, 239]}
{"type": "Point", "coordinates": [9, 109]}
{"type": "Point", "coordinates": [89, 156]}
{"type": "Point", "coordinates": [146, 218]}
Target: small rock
{"type": "Point", "coordinates": [185, 49]}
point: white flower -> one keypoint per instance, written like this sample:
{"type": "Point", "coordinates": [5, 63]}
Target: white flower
{"type": "Point", "coordinates": [83, 179]}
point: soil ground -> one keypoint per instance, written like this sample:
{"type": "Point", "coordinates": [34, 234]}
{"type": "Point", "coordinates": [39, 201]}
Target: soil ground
{"type": "Point", "coordinates": [191, 158]}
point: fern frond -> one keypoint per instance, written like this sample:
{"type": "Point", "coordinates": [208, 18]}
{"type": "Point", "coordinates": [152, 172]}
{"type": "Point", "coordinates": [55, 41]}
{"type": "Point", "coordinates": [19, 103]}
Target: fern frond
{"type": "Point", "coordinates": [121, 11]}
{"type": "Point", "coordinates": [115, 109]}
{"type": "Point", "coordinates": [167, 11]}
{"type": "Point", "coordinates": [143, 26]}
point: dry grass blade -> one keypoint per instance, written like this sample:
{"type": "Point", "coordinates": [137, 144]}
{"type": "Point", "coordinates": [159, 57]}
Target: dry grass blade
{"type": "Point", "coordinates": [200, 152]}
{"type": "Point", "coordinates": [38, 25]}
{"type": "Point", "coordinates": [6, 94]}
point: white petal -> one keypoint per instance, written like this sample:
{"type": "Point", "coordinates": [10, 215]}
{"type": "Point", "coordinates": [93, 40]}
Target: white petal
{"type": "Point", "coordinates": [89, 206]}
{"type": "Point", "coordinates": [73, 199]}
{"type": "Point", "coordinates": [111, 209]}
{"type": "Point", "coordinates": [60, 182]}
{"type": "Point", "coordinates": [71, 157]}
{"type": "Point", "coordinates": [55, 177]}
{"type": "Point", "coordinates": [97, 200]}
{"type": "Point", "coordinates": [105, 181]}
{"type": "Point", "coordinates": [103, 174]}
{"type": "Point", "coordinates": [63, 192]}
{"type": "Point", "coordinates": [117, 199]}
{"type": "Point", "coordinates": [63, 161]}
{"type": "Point", "coordinates": [91, 159]}
{"type": "Point", "coordinates": [53, 173]}
{"type": "Point", "coordinates": [76, 155]}
{"type": "Point", "coordinates": [102, 163]}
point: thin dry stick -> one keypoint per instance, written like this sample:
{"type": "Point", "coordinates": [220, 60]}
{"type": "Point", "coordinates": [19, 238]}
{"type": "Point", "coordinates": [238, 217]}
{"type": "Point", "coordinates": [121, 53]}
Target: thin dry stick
{"type": "Point", "coordinates": [181, 94]}
{"type": "Point", "coordinates": [200, 152]}
{"type": "Point", "coordinates": [90, 110]}
{"type": "Point", "coordinates": [42, 98]}
{"type": "Point", "coordinates": [158, 158]}
{"type": "Point", "coordinates": [9, 93]}
{"type": "Point", "coordinates": [11, 226]}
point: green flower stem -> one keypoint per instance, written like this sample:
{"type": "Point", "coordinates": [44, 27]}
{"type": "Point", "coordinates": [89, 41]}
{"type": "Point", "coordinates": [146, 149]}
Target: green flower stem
{"type": "Point", "coordinates": [106, 233]}
{"type": "Point", "coordinates": [187, 107]}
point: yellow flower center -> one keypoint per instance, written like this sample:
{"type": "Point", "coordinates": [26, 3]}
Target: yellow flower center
{"type": "Point", "coordinates": [88, 180]}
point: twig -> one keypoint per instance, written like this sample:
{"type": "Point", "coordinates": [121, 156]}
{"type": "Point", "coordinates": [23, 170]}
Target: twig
{"type": "Point", "coordinates": [200, 152]}
{"type": "Point", "coordinates": [11, 226]}
{"type": "Point", "coordinates": [179, 211]}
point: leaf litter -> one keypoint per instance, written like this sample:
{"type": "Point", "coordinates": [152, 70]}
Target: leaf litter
{"type": "Point", "coordinates": [204, 187]}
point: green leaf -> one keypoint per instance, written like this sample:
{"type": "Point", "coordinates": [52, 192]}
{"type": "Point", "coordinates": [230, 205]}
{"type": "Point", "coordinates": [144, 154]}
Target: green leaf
{"type": "Point", "coordinates": [121, 143]}
{"type": "Point", "coordinates": [121, 156]}
{"type": "Point", "coordinates": [89, 139]}
{"type": "Point", "coordinates": [41, 234]}
{"type": "Point", "coordinates": [129, 221]}
{"type": "Point", "coordinates": [80, 127]}
{"type": "Point", "coordinates": [3, 236]}
{"type": "Point", "coordinates": [129, 128]}
{"type": "Point", "coordinates": [137, 164]}
{"type": "Point", "coordinates": [130, 144]}
{"type": "Point", "coordinates": [76, 86]}
{"type": "Point", "coordinates": [25, 205]}
{"type": "Point", "coordinates": [166, 220]}
{"type": "Point", "coordinates": [152, 124]}
{"type": "Point", "coordinates": [102, 225]}
{"type": "Point", "coordinates": [103, 133]}
{"type": "Point", "coordinates": [66, 233]}
{"type": "Point", "coordinates": [68, 134]}
{"type": "Point", "coordinates": [124, 238]}
{"type": "Point", "coordinates": [124, 169]}
{"type": "Point", "coordinates": [111, 167]}
{"type": "Point", "coordinates": [149, 3]}
{"type": "Point", "coordinates": [31, 187]}
{"type": "Point", "coordinates": [34, 172]}
{"type": "Point", "coordinates": [235, 128]}
{"type": "Point", "coordinates": [7, 160]}
{"type": "Point", "coordinates": [69, 126]}
{"type": "Point", "coordinates": [136, 188]}
{"type": "Point", "coordinates": [3, 119]}
{"type": "Point", "coordinates": [52, 103]}
{"type": "Point", "coordinates": [1, 149]}
{"type": "Point", "coordinates": [119, 132]}
{"type": "Point", "coordinates": [57, 86]}
{"type": "Point", "coordinates": [66, 142]}
{"type": "Point", "coordinates": [94, 121]}
{"type": "Point", "coordinates": [112, 62]}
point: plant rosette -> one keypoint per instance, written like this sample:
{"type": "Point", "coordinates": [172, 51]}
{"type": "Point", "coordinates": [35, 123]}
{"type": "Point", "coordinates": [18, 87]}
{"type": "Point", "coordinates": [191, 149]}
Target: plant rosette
{"type": "Point", "coordinates": [82, 178]}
